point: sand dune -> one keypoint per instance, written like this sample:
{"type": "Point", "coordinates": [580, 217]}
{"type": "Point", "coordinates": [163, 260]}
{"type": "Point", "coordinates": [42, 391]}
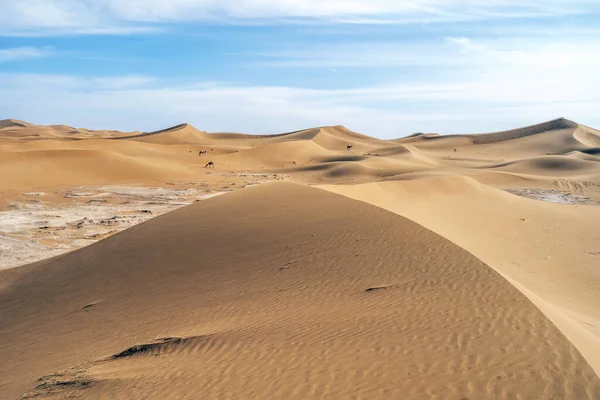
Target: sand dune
{"type": "Point", "coordinates": [180, 134]}
{"type": "Point", "coordinates": [301, 293]}
{"type": "Point", "coordinates": [459, 267]}
{"type": "Point", "coordinates": [518, 237]}
{"type": "Point", "coordinates": [77, 167]}
{"type": "Point", "coordinates": [588, 136]}
{"type": "Point", "coordinates": [313, 149]}
{"type": "Point", "coordinates": [550, 138]}
{"type": "Point", "coordinates": [560, 124]}
{"type": "Point", "coordinates": [14, 123]}
{"type": "Point", "coordinates": [11, 129]}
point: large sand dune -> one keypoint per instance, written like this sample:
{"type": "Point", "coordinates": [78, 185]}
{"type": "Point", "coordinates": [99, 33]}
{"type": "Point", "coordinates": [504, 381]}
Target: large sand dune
{"type": "Point", "coordinates": [279, 291]}
{"type": "Point", "coordinates": [440, 267]}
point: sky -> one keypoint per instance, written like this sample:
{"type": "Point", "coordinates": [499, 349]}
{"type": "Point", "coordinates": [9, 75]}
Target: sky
{"type": "Point", "coordinates": [386, 68]}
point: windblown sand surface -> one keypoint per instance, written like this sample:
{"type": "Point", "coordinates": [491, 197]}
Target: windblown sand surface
{"type": "Point", "coordinates": [449, 267]}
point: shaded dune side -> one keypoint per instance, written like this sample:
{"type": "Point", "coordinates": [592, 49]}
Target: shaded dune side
{"type": "Point", "coordinates": [549, 166]}
{"type": "Point", "coordinates": [368, 169]}
{"type": "Point", "coordinates": [158, 132]}
{"type": "Point", "coordinates": [378, 163]}
{"type": "Point", "coordinates": [179, 134]}
{"type": "Point", "coordinates": [559, 124]}
{"type": "Point", "coordinates": [415, 137]}
{"type": "Point", "coordinates": [592, 154]}
{"type": "Point", "coordinates": [278, 291]}
{"type": "Point", "coordinates": [303, 134]}
{"type": "Point", "coordinates": [13, 123]}
{"type": "Point", "coordinates": [554, 125]}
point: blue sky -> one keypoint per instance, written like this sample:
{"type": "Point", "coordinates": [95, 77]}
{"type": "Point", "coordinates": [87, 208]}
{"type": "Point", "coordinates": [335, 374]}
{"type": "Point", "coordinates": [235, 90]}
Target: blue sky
{"type": "Point", "coordinates": [382, 67]}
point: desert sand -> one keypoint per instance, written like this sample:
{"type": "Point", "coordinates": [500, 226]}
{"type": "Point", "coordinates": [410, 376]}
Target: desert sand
{"type": "Point", "coordinates": [316, 264]}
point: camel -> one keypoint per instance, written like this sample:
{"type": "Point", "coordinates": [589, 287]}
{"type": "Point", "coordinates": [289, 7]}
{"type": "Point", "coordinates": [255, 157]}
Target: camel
{"type": "Point", "coordinates": [348, 147]}
{"type": "Point", "coordinates": [202, 152]}
{"type": "Point", "coordinates": [210, 165]}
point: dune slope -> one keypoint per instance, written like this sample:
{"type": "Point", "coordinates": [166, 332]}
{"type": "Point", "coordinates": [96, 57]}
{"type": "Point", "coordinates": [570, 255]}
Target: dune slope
{"type": "Point", "coordinates": [278, 291]}
{"type": "Point", "coordinates": [548, 250]}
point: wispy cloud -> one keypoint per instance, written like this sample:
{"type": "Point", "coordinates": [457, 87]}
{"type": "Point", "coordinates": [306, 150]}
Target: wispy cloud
{"type": "Point", "coordinates": [23, 53]}
{"type": "Point", "coordinates": [72, 83]}
{"type": "Point", "coordinates": [578, 52]}
{"type": "Point", "coordinates": [135, 16]}
{"type": "Point", "coordinates": [58, 17]}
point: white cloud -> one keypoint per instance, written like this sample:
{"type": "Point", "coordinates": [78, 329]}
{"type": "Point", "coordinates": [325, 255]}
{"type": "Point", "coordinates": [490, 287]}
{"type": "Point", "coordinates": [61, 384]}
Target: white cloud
{"type": "Point", "coordinates": [392, 110]}
{"type": "Point", "coordinates": [22, 53]}
{"type": "Point", "coordinates": [134, 16]}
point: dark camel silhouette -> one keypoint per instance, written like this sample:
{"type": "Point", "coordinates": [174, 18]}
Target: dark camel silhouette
{"type": "Point", "coordinates": [348, 147]}
{"type": "Point", "coordinates": [201, 153]}
{"type": "Point", "coordinates": [210, 165]}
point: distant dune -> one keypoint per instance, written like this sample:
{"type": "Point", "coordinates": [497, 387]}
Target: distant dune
{"type": "Point", "coordinates": [431, 266]}
{"type": "Point", "coordinates": [179, 134]}
{"type": "Point", "coordinates": [554, 125]}
{"type": "Point", "coordinates": [14, 123]}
